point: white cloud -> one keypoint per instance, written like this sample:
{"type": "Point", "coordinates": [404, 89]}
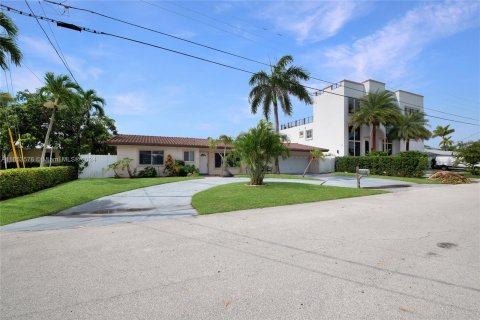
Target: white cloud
{"type": "Point", "coordinates": [313, 21]}
{"type": "Point", "coordinates": [25, 80]}
{"type": "Point", "coordinates": [141, 102]}
{"type": "Point", "coordinates": [390, 50]}
{"type": "Point", "coordinates": [133, 103]}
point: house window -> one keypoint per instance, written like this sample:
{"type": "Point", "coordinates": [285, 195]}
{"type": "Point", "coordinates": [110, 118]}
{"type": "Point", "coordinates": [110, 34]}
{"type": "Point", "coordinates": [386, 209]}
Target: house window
{"type": "Point", "coordinates": [411, 110]}
{"type": "Point", "coordinates": [301, 134]}
{"type": "Point", "coordinates": [188, 156]}
{"type": "Point", "coordinates": [353, 105]}
{"type": "Point", "coordinates": [309, 134]}
{"type": "Point", "coordinates": [151, 157]}
{"type": "Point", "coordinates": [387, 146]}
{"type": "Point", "coordinates": [353, 141]}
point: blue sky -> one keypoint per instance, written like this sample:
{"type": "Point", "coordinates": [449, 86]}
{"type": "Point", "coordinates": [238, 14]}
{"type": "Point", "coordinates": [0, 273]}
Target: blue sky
{"type": "Point", "coordinates": [427, 47]}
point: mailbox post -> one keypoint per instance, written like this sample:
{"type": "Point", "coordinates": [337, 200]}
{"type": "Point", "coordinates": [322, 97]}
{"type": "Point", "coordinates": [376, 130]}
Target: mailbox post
{"type": "Point", "coordinates": [360, 173]}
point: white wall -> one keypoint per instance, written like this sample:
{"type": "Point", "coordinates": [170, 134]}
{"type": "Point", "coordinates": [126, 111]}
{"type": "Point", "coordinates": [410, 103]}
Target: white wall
{"type": "Point", "coordinates": [96, 166]}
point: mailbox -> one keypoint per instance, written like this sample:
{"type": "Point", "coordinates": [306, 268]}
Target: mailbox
{"type": "Point", "coordinates": [363, 172]}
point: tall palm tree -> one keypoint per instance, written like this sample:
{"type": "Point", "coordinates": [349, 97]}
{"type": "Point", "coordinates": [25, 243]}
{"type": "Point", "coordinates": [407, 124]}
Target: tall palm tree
{"type": "Point", "coordinates": [275, 88]}
{"type": "Point", "coordinates": [411, 126]}
{"type": "Point", "coordinates": [8, 43]}
{"type": "Point", "coordinates": [58, 91]}
{"type": "Point", "coordinates": [376, 108]}
{"type": "Point", "coordinates": [88, 103]}
{"type": "Point", "coordinates": [443, 132]}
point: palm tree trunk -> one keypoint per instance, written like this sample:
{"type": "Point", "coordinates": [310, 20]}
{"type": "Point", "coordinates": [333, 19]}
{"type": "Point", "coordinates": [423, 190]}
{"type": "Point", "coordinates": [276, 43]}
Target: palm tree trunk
{"type": "Point", "coordinates": [374, 138]}
{"type": "Point", "coordinates": [47, 138]}
{"type": "Point", "coordinates": [276, 168]}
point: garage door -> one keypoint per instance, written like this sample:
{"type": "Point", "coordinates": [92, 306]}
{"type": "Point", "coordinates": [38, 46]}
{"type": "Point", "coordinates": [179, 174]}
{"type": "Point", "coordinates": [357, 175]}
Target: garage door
{"type": "Point", "coordinates": [293, 165]}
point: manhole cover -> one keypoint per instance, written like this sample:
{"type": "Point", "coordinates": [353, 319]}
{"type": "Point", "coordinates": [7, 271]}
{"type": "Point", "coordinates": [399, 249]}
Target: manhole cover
{"type": "Point", "coordinates": [446, 245]}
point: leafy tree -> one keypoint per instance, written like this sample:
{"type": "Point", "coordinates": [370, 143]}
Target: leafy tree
{"type": "Point", "coordinates": [376, 108]}
{"type": "Point", "coordinates": [469, 154]}
{"type": "Point", "coordinates": [443, 133]}
{"type": "Point", "coordinates": [213, 145]}
{"type": "Point", "coordinates": [257, 148]}
{"type": "Point", "coordinates": [58, 94]}
{"type": "Point", "coordinates": [8, 42]}
{"type": "Point", "coordinates": [410, 127]}
{"type": "Point", "coordinates": [123, 164]}
{"type": "Point", "coordinates": [276, 88]}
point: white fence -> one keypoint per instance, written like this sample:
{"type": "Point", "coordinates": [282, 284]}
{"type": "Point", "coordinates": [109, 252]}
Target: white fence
{"type": "Point", "coordinates": [327, 165]}
{"type": "Point", "coordinates": [96, 166]}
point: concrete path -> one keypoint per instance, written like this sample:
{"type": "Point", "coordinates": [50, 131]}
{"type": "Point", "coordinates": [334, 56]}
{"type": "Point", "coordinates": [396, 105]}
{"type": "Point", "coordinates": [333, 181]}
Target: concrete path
{"type": "Point", "coordinates": [164, 201]}
{"type": "Point", "coordinates": [404, 255]}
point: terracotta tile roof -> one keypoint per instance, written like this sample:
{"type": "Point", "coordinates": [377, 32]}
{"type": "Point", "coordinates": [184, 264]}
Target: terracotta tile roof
{"type": "Point", "coordinates": [128, 139]}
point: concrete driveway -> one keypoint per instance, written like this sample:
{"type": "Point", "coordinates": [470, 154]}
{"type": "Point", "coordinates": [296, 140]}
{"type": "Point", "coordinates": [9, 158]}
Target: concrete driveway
{"type": "Point", "coordinates": [163, 201]}
{"type": "Point", "coordinates": [405, 255]}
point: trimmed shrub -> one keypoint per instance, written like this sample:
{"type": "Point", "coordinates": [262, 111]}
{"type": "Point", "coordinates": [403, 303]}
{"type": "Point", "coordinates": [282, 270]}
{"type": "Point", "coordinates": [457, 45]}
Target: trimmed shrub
{"type": "Point", "coordinates": [148, 172]}
{"type": "Point", "coordinates": [405, 164]}
{"type": "Point", "coordinates": [17, 182]}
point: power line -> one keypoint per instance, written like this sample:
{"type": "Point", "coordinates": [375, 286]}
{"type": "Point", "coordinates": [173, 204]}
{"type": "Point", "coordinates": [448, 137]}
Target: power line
{"type": "Point", "coordinates": [224, 51]}
{"type": "Point", "coordinates": [48, 38]}
{"type": "Point", "coordinates": [78, 28]}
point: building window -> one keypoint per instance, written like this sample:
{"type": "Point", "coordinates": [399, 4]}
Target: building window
{"type": "Point", "coordinates": [353, 141]}
{"type": "Point", "coordinates": [409, 110]}
{"type": "Point", "coordinates": [353, 105]}
{"type": "Point", "coordinates": [387, 146]}
{"type": "Point", "coordinates": [300, 134]}
{"type": "Point", "coordinates": [188, 156]}
{"type": "Point", "coordinates": [309, 134]}
{"type": "Point", "coordinates": [151, 157]}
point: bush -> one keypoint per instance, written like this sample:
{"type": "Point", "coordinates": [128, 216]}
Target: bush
{"type": "Point", "coordinates": [405, 164]}
{"type": "Point", "coordinates": [148, 172]}
{"type": "Point", "coordinates": [377, 154]}
{"type": "Point", "coordinates": [17, 182]}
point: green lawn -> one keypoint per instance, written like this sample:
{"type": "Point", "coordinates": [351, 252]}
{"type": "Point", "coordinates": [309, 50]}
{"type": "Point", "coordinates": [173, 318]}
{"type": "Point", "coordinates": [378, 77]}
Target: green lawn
{"type": "Point", "coordinates": [70, 194]}
{"type": "Point", "coordinates": [239, 196]}
{"type": "Point", "coordinates": [413, 180]}
{"type": "Point", "coordinates": [278, 176]}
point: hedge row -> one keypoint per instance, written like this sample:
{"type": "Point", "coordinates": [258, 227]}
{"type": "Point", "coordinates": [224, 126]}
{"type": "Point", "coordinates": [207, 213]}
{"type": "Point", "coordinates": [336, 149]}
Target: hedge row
{"type": "Point", "coordinates": [17, 182]}
{"type": "Point", "coordinates": [403, 165]}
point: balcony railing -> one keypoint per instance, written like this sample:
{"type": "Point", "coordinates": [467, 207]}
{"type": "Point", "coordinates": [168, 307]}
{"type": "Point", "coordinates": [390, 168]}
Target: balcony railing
{"type": "Point", "coordinates": [296, 123]}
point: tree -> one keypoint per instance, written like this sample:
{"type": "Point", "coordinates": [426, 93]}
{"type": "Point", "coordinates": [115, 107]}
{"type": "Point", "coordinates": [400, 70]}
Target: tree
{"type": "Point", "coordinates": [276, 88]}
{"type": "Point", "coordinates": [315, 155]}
{"type": "Point", "coordinates": [469, 154]}
{"type": "Point", "coordinates": [410, 126]}
{"type": "Point", "coordinates": [8, 42]}
{"type": "Point", "coordinates": [213, 144]}
{"type": "Point", "coordinates": [376, 108]}
{"type": "Point", "coordinates": [443, 132]}
{"type": "Point", "coordinates": [58, 93]}
{"type": "Point", "coordinates": [257, 148]}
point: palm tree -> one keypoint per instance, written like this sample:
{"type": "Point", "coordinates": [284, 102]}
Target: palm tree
{"type": "Point", "coordinates": [88, 103]}
{"type": "Point", "coordinates": [226, 140]}
{"type": "Point", "coordinates": [443, 132]}
{"type": "Point", "coordinates": [410, 126]}
{"type": "Point", "coordinates": [257, 148]}
{"type": "Point", "coordinates": [446, 142]}
{"type": "Point", "coordinates": [376, 108]}
{"type": "Point", "coordinates": [58, 92]}
{"type": "Point", "coordinates": [275, 89]}
{"type": "Point", "coordinates": [8, 45]}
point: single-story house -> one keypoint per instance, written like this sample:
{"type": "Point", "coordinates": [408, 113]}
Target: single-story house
{"type": "Point", "coordinates": [153, 150]}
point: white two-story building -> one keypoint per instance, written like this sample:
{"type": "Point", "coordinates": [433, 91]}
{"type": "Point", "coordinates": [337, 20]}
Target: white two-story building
{"type": "Point", "coordinates": [330, 127]}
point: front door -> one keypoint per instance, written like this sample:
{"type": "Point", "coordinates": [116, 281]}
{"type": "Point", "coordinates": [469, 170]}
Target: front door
{"type": "Point", "coordinates": [203, 165]}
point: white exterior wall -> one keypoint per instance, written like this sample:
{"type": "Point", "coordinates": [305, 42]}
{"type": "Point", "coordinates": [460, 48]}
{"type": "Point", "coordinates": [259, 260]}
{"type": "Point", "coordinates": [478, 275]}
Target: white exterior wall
{"type": "Point", "coordinates": [133, 152]}
{"type": "Point", "coordinates": [331, 119]}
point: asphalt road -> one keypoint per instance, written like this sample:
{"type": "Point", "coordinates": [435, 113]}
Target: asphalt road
{"type": "Point", "coordinates": [377, 257]}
